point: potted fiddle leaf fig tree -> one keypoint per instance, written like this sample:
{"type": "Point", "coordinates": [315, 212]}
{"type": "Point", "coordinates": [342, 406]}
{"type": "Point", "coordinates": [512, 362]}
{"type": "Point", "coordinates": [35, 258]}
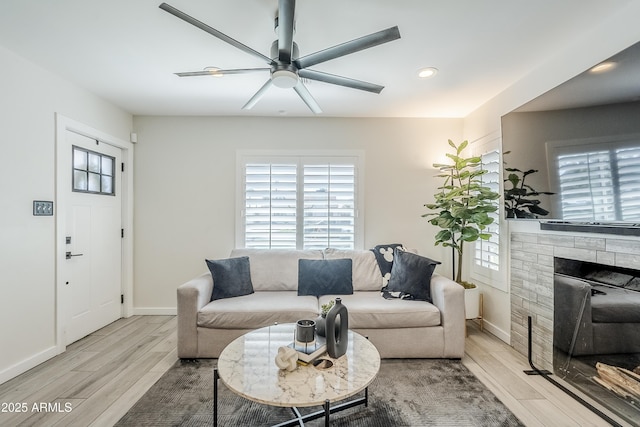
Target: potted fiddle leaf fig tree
{"type": "Point", "coordinates": [461, 208]}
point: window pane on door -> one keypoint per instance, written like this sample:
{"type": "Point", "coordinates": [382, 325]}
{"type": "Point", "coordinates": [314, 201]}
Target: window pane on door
{"type": "Point", "coordinates": [93, 172]}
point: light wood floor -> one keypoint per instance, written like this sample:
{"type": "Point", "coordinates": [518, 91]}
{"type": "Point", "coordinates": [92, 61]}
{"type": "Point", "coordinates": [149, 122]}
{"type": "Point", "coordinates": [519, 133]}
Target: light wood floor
{"type": "Point", "coordinates": [101, 376]}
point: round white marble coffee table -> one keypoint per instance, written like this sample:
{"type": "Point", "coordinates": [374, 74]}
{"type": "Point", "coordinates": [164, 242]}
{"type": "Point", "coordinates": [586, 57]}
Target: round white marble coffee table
{"type": "Point", "coordinates": [247, 367]}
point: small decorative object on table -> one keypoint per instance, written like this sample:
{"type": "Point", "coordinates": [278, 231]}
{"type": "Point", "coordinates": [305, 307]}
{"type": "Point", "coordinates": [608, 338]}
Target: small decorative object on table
{"type": "Point", "coordinates": [337, 337]}
{"type": "Point", "coordinates": [305, 343]}
{"type": "Point", "coordinates": [287, 358]}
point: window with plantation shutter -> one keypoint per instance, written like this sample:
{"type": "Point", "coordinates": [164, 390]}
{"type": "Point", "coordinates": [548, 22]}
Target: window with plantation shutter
{"type": "Point", "coordinates": [329, 206]}
{"type": "Point", "coordinates": [299, 202]}
{"type": "Point", "coordinates": [598, 180]}
{"type": "Point", "coordinates": [487, 252]}
{"type": "Point", "coordinates": [270, 205]}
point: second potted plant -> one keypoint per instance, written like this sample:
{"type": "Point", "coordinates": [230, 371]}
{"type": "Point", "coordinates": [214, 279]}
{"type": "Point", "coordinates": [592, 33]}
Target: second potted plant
{"type": "Point", "coordinates": [461, 208]}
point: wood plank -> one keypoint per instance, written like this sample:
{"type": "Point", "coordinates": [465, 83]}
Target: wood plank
{"type": "Point", "coordinates": [109, 393]}
{"type": "Point", "coordinates": [122, 404]}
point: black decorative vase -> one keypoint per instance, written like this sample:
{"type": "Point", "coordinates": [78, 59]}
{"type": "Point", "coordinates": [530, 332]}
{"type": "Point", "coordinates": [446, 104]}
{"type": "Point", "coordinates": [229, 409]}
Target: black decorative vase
{"type": "Point", "coordinates": [337, 337]}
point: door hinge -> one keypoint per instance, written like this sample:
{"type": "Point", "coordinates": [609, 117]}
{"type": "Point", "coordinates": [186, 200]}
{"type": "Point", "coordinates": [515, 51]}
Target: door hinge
{"type": "Point", "coordinates": [122, 166]}
{"type": "Point", "coordinates": [121, 298]}
{"type": "Point", "coordinates": [122, 233]}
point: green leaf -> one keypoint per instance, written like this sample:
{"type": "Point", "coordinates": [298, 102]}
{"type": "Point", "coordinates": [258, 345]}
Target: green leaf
{"type": "Point", "coordinates": [469, 234]}
{"type": "Point", "coordinates": [462, 146]}
{"type": "Point", "coordinates": [443, 235]}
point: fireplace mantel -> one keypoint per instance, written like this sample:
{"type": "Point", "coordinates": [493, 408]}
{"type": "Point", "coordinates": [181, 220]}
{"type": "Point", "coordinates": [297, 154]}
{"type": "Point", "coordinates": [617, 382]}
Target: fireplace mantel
{"type": "Point", "coordinates": [614, 228]}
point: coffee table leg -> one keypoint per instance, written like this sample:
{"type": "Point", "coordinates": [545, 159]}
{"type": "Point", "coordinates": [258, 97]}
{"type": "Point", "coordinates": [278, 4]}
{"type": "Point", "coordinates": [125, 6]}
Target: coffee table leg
{"type": "Point", "coordinates": [215, 397]}
{"type": "Point", "coordinates": [327, 412]}
{"type": "Point", "coordinates": [366, 397]}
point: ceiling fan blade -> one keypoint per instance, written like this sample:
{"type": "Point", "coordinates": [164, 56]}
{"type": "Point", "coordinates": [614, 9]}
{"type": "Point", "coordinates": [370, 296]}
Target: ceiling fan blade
{"type": "Point", "coordinates": [339, 80]}
{"type": "Point", "coordinates": [346, 48]}
{"type": "Point", "coordinates": [301, 89]}
{"type": "Point", "coordinates": [225, 38]}
{"type": "Point", "coordinates": [286, 12]}
{"type": "Point", "coordinates": [220, 73]}
{"type": "Point", "coordinates": [259, 94]}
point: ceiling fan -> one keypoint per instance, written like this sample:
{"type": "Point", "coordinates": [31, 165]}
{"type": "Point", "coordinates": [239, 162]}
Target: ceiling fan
{"type": "Point", "coordinates": [285, 66]}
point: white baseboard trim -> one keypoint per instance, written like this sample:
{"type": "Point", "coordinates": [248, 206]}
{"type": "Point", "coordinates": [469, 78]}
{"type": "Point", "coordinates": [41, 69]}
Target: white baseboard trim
{"type": "Point", "coordinates": [25, 365]}
{"type": "Point", "coordinates": [155, 311]}
{"type": "Point", "coordinates": [499, 333]}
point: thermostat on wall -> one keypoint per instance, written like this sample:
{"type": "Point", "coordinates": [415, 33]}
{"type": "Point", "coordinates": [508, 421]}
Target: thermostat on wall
{"type": "Point", "coordinates": [42, 208]}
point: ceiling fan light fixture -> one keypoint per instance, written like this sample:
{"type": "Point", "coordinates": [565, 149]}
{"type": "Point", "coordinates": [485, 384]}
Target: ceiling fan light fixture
{"type": "Point", "coordinates": [425, 73]}
{"type": "Point", "coordinates": [284, 78]}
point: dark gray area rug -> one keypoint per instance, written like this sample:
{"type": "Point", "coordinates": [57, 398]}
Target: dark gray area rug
{"type": "Point", "coordinates": [406, 392]}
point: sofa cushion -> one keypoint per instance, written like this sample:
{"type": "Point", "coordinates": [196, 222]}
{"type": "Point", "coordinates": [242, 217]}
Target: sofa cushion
{"type": "Point", "coordinates": [615, 306]}
{"type": "Point", "coordinates": [322, 277]}
{"type": "Point", "coordinates": [231, 277]}
{"type": "Point", "coordinates": [369, 310]}
{"type": "Point", "coordinates": [275, 269]}
{"type": "Point", "coordinates": [411, 274]}
{"type": "Point", "coordinates": [366, 274]}
{"type": "Point", "coordinates": [258, 310]}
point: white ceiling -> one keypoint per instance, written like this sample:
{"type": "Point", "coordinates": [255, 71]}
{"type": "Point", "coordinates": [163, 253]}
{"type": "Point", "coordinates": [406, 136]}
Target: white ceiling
{"type": "Point", "coordinates": [126, 51]}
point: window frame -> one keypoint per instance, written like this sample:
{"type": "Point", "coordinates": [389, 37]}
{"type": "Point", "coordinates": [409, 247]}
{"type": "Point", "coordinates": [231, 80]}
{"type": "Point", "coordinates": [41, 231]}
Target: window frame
{"type": "Point", "coordinates": [355, 157]}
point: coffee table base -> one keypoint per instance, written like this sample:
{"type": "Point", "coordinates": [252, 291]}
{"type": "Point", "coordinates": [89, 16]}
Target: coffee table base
{"type": "Point", "coordinates": [299, 419]}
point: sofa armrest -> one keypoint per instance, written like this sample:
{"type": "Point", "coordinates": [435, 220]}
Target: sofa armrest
{"type": "Point", "coordinates": [572, 309]}
{"type": "Point", "coordinates": [448, 296]}
{"type": "Point", "coordinates": [192, 296]}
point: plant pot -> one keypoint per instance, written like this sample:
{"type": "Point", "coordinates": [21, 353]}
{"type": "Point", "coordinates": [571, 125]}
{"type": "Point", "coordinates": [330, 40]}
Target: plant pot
{"type": "Point", "coordinates": [321, 323]}
{"type": "Point", "coordinates": [472, 303]}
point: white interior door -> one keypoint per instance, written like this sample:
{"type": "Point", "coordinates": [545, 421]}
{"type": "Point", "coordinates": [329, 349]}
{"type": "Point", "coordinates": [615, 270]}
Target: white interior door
{"type": "Point", "coordinates": [93, 261]}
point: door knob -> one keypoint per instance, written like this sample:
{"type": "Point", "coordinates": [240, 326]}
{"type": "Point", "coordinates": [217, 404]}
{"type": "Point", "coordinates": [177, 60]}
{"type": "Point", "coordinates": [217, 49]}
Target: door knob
{"type": "Point", "coordinates": [68, 255]}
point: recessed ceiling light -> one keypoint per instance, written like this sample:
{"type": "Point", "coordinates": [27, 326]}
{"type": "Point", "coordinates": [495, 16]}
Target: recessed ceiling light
{"type": "Point", "coordinates": [215, 71]}
{"type": "Point", "coordinates": [425, 73]}
{"type": "Point", "coordinates": [603, 67]}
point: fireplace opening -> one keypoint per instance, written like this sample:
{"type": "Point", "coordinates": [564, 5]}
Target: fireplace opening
{"type": "Point", "coordinates": [596, 333]}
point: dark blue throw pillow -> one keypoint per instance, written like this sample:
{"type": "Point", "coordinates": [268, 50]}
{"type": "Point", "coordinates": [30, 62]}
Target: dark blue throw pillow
{"type": "Point", "coordinates": [411, 276]}
{"type": "Point", "coordinates": [325, 277]}
{"type": "Point", "coordinates": [231, 277]}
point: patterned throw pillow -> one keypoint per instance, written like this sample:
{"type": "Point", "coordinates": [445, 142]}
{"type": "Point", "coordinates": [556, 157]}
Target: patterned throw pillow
{"type": "Point", "coordinates": [325, 277]}
{"type": "Point", "coordinates": [410, 276]}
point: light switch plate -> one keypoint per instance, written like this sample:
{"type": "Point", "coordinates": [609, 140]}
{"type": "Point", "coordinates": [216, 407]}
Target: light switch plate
{"type": "Point", "coordinates": [42, 208]}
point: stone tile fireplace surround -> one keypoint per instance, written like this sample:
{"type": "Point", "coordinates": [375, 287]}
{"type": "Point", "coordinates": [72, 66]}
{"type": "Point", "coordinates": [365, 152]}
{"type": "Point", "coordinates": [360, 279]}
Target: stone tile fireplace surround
{"type": "Point", "coordinates": [532, 253]}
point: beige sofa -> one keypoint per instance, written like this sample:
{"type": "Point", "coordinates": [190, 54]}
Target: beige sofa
{"type": "Point", "coordinates": [398, 328]}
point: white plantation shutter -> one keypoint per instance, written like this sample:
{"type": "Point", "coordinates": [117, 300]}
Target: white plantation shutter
{"type": "Point", "coordinates": [488, 251]}
{"type": "Point", "coordinates": [628, 160]}
{"type": "Point", "coordinates": [599, 182]}
{"type": "Point", "coordinates": [586, 186]}
{"type": "Point", "coordinates": [329, 206]}
{"type": "Point", "coordinates": [270, 206]}
{"type": "Point", "coordinates": [296, 202]}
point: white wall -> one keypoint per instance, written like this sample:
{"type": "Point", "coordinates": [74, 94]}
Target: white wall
{"type": "Point", "coordinates": [185, 186]}
{"type": "Point", "coordinates": [30, 98]}
{"type": "Point", "coordinates": [601, 41]}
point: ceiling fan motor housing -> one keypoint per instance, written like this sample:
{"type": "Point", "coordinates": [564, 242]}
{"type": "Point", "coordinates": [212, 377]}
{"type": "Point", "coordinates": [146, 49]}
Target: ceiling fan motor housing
{"type": "Point", "coordinates": [283, 75]}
